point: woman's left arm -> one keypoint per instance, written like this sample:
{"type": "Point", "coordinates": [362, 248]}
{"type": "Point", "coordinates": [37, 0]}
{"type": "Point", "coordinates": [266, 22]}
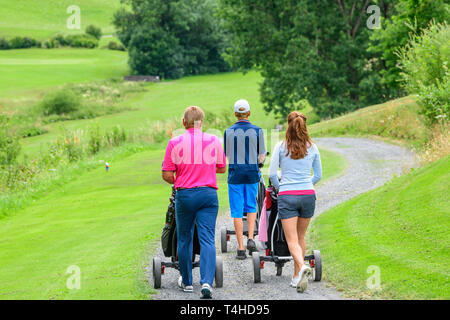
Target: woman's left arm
{"type": "Point", "coordinates": [317, 167]}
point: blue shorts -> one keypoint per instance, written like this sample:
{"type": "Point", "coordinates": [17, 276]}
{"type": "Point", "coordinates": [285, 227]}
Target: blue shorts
{"type": "Point", "coordinates": [242, 198]}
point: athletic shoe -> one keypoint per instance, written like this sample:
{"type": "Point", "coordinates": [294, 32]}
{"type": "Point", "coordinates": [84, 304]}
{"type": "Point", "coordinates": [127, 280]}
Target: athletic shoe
{"type": "Point", "coordinates": [241, 255]}
{"type": "Point", "coordinates": [206, 291]}
{"type": "Point", "coordinates": [184, 287]}
{"type": "Point", "coordinates": [295, 281]}
{"type": "Point", "coordinates": [251, 246]}
{"type": "Point", "coordinates": [305, 272]}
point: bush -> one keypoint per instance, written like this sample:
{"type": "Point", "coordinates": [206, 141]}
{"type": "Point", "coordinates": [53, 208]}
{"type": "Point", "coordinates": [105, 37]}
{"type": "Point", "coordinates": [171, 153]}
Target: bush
{"type": "Point", "coordinates": [112, 45]}
{"type": "Point", "coordinates": [81, 41]}
{"type": "Point", "coordinates": [23, 42]}
{"type": "Point", "coordinates": [4, 44]}
{"type": "Point", "coordinates": [9, 144]}
{"type": "Point", "coordinates": [425, 63]}
{"type": "Point", "coordinates": [94, 31]}
{"type": "Point", "coordinates": [60, 102]}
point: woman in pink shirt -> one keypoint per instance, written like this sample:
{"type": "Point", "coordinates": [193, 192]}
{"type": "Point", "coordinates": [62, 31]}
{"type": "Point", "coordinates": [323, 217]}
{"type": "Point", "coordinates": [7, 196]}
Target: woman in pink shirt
{"type": "Point", "coordinates": [191, 163]}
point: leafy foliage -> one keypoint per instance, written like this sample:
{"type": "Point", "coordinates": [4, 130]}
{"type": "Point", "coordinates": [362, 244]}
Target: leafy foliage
{"type": "Point", "coordinates": [307, 49]}
{"type": "Point", "coordinates": [410, 17]}
{"type": "Point", "coordinates": [425, 65]}
{"type": "Point", "coordinates": [172, 38]}
{"type": "Point", "coordinates": [94, 31]}
{"type": "Point", "coordinates": [60, 102]}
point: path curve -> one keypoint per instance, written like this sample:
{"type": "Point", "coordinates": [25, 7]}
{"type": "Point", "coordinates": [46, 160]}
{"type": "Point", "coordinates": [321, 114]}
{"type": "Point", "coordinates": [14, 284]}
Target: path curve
{"type": "Point", "coordinates": [370, 164]}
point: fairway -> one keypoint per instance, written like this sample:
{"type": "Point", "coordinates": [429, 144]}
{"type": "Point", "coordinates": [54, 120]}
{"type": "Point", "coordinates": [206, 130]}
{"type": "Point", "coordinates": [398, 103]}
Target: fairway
{"type": "Point", "coordinates": [29, 72]}
{"type": "Point", "coordinates": [107, 224]}
{"type": "Point", "coordinates": [44, 18]}
{"type": "Point", "coordinates": [400, 228]}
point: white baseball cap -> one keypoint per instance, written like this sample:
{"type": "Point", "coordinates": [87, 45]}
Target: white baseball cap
{"type": "Point", "coordinates": [241, 106]}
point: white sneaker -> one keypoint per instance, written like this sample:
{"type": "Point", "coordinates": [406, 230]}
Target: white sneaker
{"type": "Point", "coordinates": [304, 274]}
{"type": "Point", "coordinates": [295, 281]}
{"type": "Point", "coordinates": [206, 291]}
{"type": "Point", "coordinates": [184, 287]}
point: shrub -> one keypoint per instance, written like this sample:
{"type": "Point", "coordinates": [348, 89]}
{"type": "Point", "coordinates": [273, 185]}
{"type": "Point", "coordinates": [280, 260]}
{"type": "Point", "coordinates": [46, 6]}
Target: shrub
{"type": "Point", "coordinates": [81, 41]}
{"type": "Point", "coordinates": [4, 44]}
{"type": "Point", "coordinates": [9, 144]}
{"type": "Point", "coordinates": [60, 102]}
{"type": "Point", "coordinates": [95, 139]}
{"type": "Point", "coordinates": [425, 63]}
{"type": "Point", "coordinates": [94, 31]}
{"type": "Point", "coordinates": [23, 42]}
{"type": "Point", "coordinates": [112, 45]}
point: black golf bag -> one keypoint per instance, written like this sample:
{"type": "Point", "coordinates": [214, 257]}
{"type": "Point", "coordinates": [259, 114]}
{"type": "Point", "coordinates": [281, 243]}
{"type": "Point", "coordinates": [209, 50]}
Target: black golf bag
{"type": "Point", "coordinates": [276, 243]}
{"type": "Point", "coordinates": [169, 234]}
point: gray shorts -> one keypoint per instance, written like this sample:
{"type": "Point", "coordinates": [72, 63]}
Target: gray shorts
{"type": "Point", "coordinates": [302, 206]}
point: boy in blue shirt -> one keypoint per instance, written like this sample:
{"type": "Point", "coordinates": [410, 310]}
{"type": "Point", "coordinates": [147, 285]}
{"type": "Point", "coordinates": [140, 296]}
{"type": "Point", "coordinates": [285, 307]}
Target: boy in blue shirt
{"type": "Point", "coordinates": [245, 149]}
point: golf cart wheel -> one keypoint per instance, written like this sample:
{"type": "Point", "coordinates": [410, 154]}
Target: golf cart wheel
{"type": "Point", "coordinates": [317, 265]}
{"type": "Point", "coordinates": [256, 267]}
{"type": "Point", "coordinates": [279, 270]}
{"type": "Point", "coordinates": [219, 272]}
{"type": "Point", "coordinates": [223, 239]}
{"type": "Point", "coordinates": [156, 272]}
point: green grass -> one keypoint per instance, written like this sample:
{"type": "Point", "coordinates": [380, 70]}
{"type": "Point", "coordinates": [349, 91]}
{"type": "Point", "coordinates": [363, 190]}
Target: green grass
{"type": "Point", "coordinates": [41, 19]}
{"type": "Point", "coordinates": [167, 100]}
{"type": "Point", "coordinates": [107, 224]}
{"type": "Point", "coordinates": [27, 72]}
{"type": "Point", "coordinates": [401, 227]}
{"type": "Point", "coordinates": [396, 121]}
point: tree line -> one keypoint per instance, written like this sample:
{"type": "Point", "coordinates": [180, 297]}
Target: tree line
{"type": "Point", "coordinates": [315, 50]}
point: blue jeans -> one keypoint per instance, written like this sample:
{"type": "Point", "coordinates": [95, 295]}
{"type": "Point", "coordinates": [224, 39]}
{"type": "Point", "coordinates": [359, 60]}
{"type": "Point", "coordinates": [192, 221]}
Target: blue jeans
{"type": "Point", "coordinates": [197, 205]}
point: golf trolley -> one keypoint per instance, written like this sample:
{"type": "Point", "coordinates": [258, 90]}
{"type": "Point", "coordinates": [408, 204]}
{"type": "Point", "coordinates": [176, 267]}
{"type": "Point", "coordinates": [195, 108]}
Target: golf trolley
{"type": "Point", "coordinates": [277, 249]}
{"type": "Point", "coordinates": [169, 246]}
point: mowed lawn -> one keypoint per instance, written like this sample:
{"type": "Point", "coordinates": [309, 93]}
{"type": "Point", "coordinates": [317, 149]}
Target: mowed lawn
{"type": "Point", "coordinates": [25, 72]}
{"type": "Point", "coordinates": [41, 19]}
{"type": "Point", "coordinates": [107, 224]}
{"type": "Point", "coordinates": [400, 230]}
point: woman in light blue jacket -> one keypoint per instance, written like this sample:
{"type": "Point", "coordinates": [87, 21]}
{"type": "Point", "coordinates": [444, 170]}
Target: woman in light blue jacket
{"type": "Point", "coordinates": [296, 156]}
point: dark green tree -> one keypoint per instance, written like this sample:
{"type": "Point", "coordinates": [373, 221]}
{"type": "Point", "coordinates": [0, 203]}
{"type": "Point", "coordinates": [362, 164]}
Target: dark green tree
{"type": "Point", "coordinates": [306, 49]}
{"type": "Point", "coordinates": [172, 38]}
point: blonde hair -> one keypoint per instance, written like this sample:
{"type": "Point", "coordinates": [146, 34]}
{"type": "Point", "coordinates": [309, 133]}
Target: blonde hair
{"type": "Point", "coordinates": [193, 116]}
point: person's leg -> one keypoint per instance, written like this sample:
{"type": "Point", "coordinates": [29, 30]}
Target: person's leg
{"type": "Point", "coordinates": [237, 211]}
{"type": "Point", "coordinates": [206, 225]}
{"type": "Point", "coordinates": [239, 228]}
{"type": "Point", "coordinates": [250, 206]}
{"type": "Point", "coordinates": [307, 207]}
{"type": "Point", "coordinates": [290, 232]}
{"type": "Point", "coordinates": [185, 217]}
{"type": "Point", "coordinates": [302, 226]}
{"type": "Point", "coordinates": [251, 220]}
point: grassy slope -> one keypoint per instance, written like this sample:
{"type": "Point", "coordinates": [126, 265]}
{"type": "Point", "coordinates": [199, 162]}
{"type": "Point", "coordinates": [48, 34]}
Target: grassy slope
{"type": "Point", "coordinates": [105, 223]}
{"type": "Point", "coordinates": [396, 121]}
{"type": "Point", "coordinates": [401, 227]}
{"type": "Point", "coordinates": [43, 18]}
{"type": "Point", "coordinates": [167, 100]}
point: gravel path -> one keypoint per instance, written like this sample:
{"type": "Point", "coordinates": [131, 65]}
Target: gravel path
{"type": "Point", "coordinates": [370, 164]}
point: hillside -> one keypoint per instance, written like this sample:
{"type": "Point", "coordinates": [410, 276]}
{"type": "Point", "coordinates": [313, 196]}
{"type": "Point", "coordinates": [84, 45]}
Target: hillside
{"type": "Point", "coordinates": [396, 120]}
{"type": "Point", "coordinates": [41, 19]}
{"type": "Point", "coordinates": [400, 228]}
